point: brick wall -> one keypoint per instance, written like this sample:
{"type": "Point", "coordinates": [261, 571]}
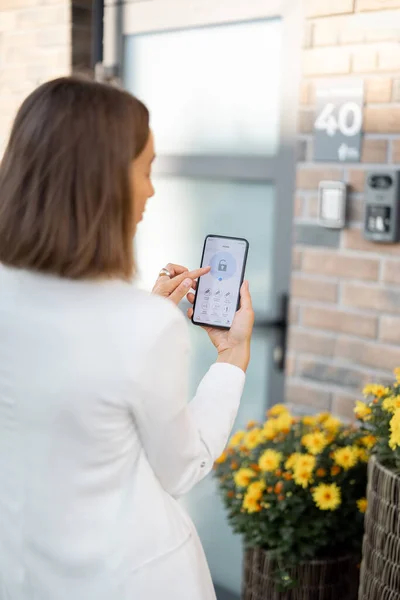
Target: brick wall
{"type": "Point", "coordinates": [36, 45]}
{"type": "Point", "coordinates": [345, 312]}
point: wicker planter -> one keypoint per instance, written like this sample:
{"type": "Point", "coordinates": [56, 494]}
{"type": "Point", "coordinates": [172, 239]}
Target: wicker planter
{"type": "Point", "coordinates": [380, 570]}
{"type": "Point", "coordinates": [317, 579]}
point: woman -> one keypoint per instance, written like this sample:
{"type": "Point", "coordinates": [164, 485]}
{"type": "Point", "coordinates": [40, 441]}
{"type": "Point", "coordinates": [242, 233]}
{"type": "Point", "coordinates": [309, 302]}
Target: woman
{"type": "Point", "coordinates": [97, 440]}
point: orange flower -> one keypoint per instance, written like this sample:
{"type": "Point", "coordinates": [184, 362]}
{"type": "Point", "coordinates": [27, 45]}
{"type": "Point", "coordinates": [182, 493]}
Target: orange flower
{"type": "Point", "coordinates": [281, 497]}
{"type": "Point", "coordinates": [279, 487]}
{"type": "Point", "coordinates": [231, 494]}
{"type": "Point", "coordinates": [278, 473]}
{"type": "Point", "coordinates": [270, 490]}
{"type": "Point", "coordinates": [320, 472]}
{"type": "Point", "coordinates": [335, 471]}
{"type": "Point", "coordinates": [251, 424]}
{"type": "Point", "coordinates": [234, 465]}
{"type": "Point", "coordinates": [287, 476]}
{"type": "Point", "coordinates": [255, 467]}
{"type": "Point", "coordinates": [221, 459]}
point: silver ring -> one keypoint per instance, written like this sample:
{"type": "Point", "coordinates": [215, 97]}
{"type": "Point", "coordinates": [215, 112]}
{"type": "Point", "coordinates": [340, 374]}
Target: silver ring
{"type": "Point", "coordinates": [164, 273]}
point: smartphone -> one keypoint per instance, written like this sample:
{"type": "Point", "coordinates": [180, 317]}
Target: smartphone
{"type": "Point", "coordinates": [218, 293]}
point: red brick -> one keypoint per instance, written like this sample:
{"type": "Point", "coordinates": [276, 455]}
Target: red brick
{"type": "Point", "coordinates": [356, 180]}
{"type": "Point", "coordinates": [378, 89]}
{"type": "Point", "coordinates": [324, 8]}
{"type": "Point", "coordinates": [313, 289]}
{"type": "Point", "coordinates": [294, 312]}
{"type": "Point", "coordinates": [290, 367]}
{"type": "Point", "coordinates": [306, 395]}
{"type": "Point", "coordinates": [311, 207]}
{"type": "Point", "coordinates": [332, 263]}
{"type": "Point", "coordinates": [396, 90]}
{"type": "Point", "coordinates": [326, 32]}
{"type": "Point", "coordinates": [304, 94]}
{"type": "Point", "coordinates": [364, 60]}
{"type": "Point", "coordinates": [389, 57]}
{"type": "Point", "coordinates": [340, 321]}
{"type": "Point", "coordinates": [343, 406]}
{"type": "Point", "coordinates": [382, 120]}
{"type": "Point", "coordinates": [373, 298]}
{"type": "Point", "coordinates": [391, 272]}
{"type": "Point", "coordinates": [303, 341]}
{"type": "Point", "coordinates": [309, 178]}
{"type": "Point", "coordinates": [306, 121]}
{"type": "Point", "coordinates": [355, 209]}
{"type": "Point", "coordinates": [377, 4]}
{"type": "Point", "coordinates": [374, 151]}
{"type": "Point", "coordinates": [331, 373]}
{"type": "Point", "coordinates": [308, 32]}
{"type": "Point", "coordinates": [298, 206]}
{"type": "Point", "coordinates": [352, 239]}
{"type": "Point", "coordinates": [396, 151]}
{"type": "Point", "coordinates": [296, 258]}
{"type": "Point", "coordinates": [390, 329]}
{"type": "Point", "coordinates": [378, 356]}
{"type": "Point", "coordinates": [326, 61]}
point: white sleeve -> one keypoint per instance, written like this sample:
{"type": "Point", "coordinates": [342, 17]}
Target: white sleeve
{"type": "Point", "coordinates": [183, 440]}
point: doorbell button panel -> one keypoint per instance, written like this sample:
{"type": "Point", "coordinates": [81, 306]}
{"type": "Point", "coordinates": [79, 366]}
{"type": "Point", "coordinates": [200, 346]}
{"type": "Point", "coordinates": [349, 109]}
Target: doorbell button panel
{"type": "Point", "coordinates": [382, 210]}
{"type": "Point", "coordinates": [332, 204]}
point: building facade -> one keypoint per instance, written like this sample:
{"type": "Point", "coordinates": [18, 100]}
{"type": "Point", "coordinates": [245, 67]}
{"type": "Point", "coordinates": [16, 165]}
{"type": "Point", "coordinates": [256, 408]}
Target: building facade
{"type": "Point", "coordinates": [344, 294]}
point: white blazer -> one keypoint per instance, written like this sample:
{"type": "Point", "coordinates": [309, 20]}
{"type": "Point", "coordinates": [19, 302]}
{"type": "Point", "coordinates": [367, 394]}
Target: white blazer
{"type": "Point", "coordinates": [96, 437]}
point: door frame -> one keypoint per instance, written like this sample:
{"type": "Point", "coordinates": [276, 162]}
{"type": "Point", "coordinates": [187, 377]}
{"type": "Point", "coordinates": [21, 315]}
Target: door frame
{"type": "Point", "coordinates": [129, 17]}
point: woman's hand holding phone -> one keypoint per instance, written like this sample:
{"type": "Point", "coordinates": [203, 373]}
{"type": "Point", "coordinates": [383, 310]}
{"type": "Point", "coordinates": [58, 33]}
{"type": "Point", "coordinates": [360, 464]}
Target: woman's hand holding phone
{"type": "Point", "coordinates": [178, 285]}
{"type": "Point", "coordinates": [233, 345]}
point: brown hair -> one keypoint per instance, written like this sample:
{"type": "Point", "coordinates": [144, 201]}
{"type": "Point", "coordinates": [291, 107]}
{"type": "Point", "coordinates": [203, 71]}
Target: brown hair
{"type": "Point", "coordinates": [66, 202]}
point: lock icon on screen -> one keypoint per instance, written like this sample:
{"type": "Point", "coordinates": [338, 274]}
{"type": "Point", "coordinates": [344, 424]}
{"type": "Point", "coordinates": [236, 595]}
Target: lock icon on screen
{"type": "Point", "coordinates": [222, 265]}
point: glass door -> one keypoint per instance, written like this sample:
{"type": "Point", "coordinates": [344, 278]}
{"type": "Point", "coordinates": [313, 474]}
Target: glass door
{"type": "Point", "coordinates": [214, 77]}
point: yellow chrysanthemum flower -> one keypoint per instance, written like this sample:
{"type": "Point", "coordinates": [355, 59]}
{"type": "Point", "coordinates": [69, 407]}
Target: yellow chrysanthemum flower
{"type": "Point", "coordinates": [251, 424]}
{"type": "Point", "coordinates": [391, 404]}
{"type": "Point", "coordinates": [315, 442]}
{"type": "Point", "coordinates": [270, 460]}
{"type": "Point", "coordinates": [269, 430]}
{"type": "Point", "coordinates": [292, 460]}
{"type": "Point", "coordinates": [309, 421]}
{"type": "Point", "coordinates": [236, 439]}
{"type": "Point", "coordinates": [362, 411]}
{"type": "Point", "coordinates": [251, 504]}
{"type": "Point", "coordinates": [327, 496]}
{"type": "Point", "coordinates": [284, 423]}
{"type": "Point", "coordinates": [362, 504]}
{"type": "Point", "coordinates": [346, 457]}
{"type": "Point", "coordinates": [306, 461]}
{"type": "Point", "coordinates": [253, 438]}
{"type": "Point", "coordinates": [376, 390]}
{"type": "Point", "coordinates": [331, 424]}
{"type": "Point", "coordinates": [397, 374]}
{"type": "Point", "coordinates": [394, 440]}
{"type": "Point", "coordinates": [277, 410]}
{"type": "Point", "coordinates": [322, 417]}
{"type": "Point", "coordinates": [362, 454]}
{"type": "Point", "coordinates": [221, 459]}
{"type": "Point", "coordinates": [302, 476]}
{"type": "Point", "coordinates": [256, 489]}
{"type": "Point", "coordinates": [368, 441]}
{"type": "Point", "coordinates": [243, 477]}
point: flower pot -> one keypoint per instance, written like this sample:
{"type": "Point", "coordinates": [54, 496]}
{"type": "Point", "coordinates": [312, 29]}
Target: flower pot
{"type": "Point", "coordinates": [335, 579]}
{"type": "Point", "coordinates": [380, 570]}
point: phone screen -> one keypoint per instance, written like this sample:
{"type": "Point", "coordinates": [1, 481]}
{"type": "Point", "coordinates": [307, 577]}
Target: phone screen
{"type": "Point", "coordinates": [218, 292]}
